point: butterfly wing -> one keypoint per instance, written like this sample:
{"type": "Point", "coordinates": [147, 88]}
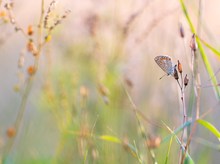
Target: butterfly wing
{"type": "Point", "coordinates": [165, 63]}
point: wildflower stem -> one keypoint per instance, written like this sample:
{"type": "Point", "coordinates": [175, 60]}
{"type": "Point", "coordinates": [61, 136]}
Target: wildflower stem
{"type": "Point", "coordinates": [184, 113]}
{"type": "Point", "coordinates": [22, 108]}
{"type": "Point", "coordinates": [196, 80]}
{"type": "Point", "coordinates": [17, 125]}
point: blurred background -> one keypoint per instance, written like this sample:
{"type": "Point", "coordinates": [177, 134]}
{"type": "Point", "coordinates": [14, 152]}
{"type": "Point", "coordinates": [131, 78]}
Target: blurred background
{"type": "Point", "coordinates": [99, 57]}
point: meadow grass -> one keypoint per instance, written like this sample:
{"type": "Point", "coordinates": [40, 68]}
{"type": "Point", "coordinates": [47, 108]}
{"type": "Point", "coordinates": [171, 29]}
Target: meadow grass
{"type": "Point", "coordinates": [82, 106]}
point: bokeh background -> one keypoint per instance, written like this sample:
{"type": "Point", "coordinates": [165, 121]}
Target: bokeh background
{"type": "Point", "coordinates": [102, 50]}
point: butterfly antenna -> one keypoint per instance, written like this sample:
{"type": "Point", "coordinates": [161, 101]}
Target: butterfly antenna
{"type": "Point", "coordinates": [162, 76]}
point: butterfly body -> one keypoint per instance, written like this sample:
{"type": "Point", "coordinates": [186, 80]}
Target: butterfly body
{"type": "Point", "coordinates": [165, 63]}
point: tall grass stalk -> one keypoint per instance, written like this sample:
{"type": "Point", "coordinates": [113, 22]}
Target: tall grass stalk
{"type": "Point", "coordinates": [202, 52]}
{"type": "Point", "coordinates": [196, 75]}
{"type": "Point", "coordinates": [22, 108]}
{"type": "Point", "coordinates": [144, 135]}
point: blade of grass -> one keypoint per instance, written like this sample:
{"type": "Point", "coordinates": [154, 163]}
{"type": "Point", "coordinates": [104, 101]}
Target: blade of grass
{"type": "Point", "coordinates": [210, 127]}
{"type": "Point", "coordinates": [168, 151]}
{"type": "Point", "coordinates": [187, 159]}
{"type": "Point", "coordinates": [179, 129]}
{"type": "Point", "coordinates": [110, 138]}
{"type": "Point", "coordinates": [85, 156]}
{"type": "Point", "coordinates": [138, 116]}
{"type": "Point", "coordinates": [132, 149]}
{"type": "Point", "coordinates": [137, 153]}
{"type": "Point", "coordinates": [202, 52]}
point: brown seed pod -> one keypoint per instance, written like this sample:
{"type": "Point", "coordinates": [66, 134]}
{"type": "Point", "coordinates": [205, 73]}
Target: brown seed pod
{"type": "Point", "coordinates": [153, 143]}
{"type": "Point", "coordinates": [125, 143]}
{"type": "Point", "coordinates": [84, 92]}
{"type": "Point", "coordinates": [11, 132]}
{"type": "Point", "coordinates": [30, 30]}
{"type": "Point", "coordinates": [31, 70]}
{"type": "Point", "coordinates": [180, 67]}
{"type": "Point", "coordinates": [103, 90]}
{"type": "Point", "coordinates": [30, 46]}
{"type": "Point", "coordinates": [193, 45]}
{"type": "Point", "coordinates": [181, 31]}
{"type": "Point", "coordinates": [128, 82]}
{"type": "Point", "coordinates": [176, 76]}
{"type": "Point", "coordinates": [186, 80]}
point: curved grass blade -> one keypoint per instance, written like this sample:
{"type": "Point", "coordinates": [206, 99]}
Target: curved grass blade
{"type": "Point", "coordinates": [210, 127]}
{"type": "Point", "coordinates": [176, 131]}
{"type": "Point", "coordinates": [202, 52]}
{"type": "Point", "coordinates": [110, 138]}
{"type": "Point", "coordinates": [187, 159]}
{"type": "Point", "coordinates": [132, 149]}
{"type": "Point", "coordinates": [168, 151]}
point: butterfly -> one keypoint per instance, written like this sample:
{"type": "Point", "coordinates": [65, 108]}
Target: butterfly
{"type": "Point", "coordinates": [165, 63]}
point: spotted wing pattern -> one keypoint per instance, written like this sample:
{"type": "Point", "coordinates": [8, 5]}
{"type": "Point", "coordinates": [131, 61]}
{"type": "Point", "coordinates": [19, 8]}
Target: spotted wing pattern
{"type": "Point", "coordinates": [165, 63]}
